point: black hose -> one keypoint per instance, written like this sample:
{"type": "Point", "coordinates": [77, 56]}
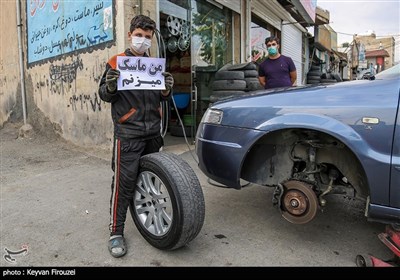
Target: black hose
{"type": "Point", "coordinates": [165, 103]}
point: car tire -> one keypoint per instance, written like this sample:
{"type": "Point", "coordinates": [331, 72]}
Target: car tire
{"type": "Point", "coordinates": [242, 66]}
{"type": "Point", "coordinates": [313, 77]}
{"type": "Point", "coordinates": [251, 80]}
{"type": "Point", "coordinates": [224, 94]}
{"type": "Point", "coordinates": [214, 98]}
{"type": "Point", "coordinates": [168, 189]}
{"type": "Point", "coordinates": [229, 75]}
{"type": "Point", "coordinates": [314, 73]}
{"type": "Point", "coordinates": [229, 85]}
{"type": "Point", "coordinates": [250, 73]}
{"type": "Point", "coordinates": [252, 86]}
{"type": "Point", "coordinates": [313, 81]}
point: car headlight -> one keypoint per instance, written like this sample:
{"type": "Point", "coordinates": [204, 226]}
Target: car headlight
{"type": "Point", "coordinates": [212, 116]}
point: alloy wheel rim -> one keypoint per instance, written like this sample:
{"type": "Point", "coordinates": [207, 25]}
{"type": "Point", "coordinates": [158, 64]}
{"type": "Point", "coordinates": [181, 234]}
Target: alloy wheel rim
{"type": "Point", "coordinates": [152, 203]}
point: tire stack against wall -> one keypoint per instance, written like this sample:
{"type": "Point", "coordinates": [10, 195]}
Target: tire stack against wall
{"type": "Point", "coordinates": [314, 75]}
{"type": "Point", "coordinates": [232, 80]}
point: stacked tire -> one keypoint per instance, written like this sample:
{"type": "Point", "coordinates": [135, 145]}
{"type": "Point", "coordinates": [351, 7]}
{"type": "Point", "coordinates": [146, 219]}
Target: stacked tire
{"type": "Point", "coordinates": [314, 75]}
{"type": "Point", "coordinates": [234, 80]}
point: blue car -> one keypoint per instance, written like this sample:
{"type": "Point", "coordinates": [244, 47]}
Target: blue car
{"type": "Point", "coordinates": [310, 142]}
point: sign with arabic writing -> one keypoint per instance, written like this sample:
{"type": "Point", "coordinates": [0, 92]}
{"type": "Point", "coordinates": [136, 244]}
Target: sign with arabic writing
{"type": "Point", "coordinates": [59, 27]}
{"type": "Point", "coordinates": [140, 72]}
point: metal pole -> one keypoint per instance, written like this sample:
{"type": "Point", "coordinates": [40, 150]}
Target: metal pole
{"type": "Point", "coordinates": [248, 31]}
{"type": "Point", "coordinates": [21, 61]}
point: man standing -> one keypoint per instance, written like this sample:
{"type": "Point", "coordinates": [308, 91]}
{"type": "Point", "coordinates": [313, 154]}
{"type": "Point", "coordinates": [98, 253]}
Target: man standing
{"type": "Point", "coordinates": [277, 70]}
{"type": "Point", "coordinates": [136, 117]}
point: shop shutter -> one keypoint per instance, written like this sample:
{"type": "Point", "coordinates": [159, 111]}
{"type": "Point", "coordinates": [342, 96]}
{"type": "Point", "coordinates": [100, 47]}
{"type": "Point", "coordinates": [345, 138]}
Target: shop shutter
{"type": "Point", "coordinates": [264, 11]}
{"type": "Point", "coordinates": [291, 45]}
{"type": "Point", "coordinates": [234, 5]}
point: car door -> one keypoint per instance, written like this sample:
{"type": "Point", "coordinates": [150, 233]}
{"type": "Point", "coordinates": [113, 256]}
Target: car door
{"type": "Point", "coordinates": [395, 172]}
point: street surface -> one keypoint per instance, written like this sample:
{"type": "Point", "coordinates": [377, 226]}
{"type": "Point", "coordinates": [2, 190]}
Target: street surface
{"type": "Point", "coordinates": [55, 202]}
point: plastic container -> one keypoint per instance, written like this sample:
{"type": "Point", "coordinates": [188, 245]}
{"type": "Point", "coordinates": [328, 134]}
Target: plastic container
{"type": "Point", "coordinates": [181, 99]}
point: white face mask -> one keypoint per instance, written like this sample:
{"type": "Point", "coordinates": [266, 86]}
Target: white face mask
{"type": "Point", "coordinates": [140, 44]}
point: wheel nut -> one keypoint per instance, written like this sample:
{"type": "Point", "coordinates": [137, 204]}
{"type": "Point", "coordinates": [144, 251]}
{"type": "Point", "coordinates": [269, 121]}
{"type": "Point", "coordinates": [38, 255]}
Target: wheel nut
{"type": "Point", "coordinates": [294, 203]}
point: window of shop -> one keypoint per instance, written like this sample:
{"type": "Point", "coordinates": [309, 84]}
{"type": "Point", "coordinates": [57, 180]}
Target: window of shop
{"type": "Point", "coordinates": [259, 31]}
{"type": "Point", "coordinates": [212, 34]}
{"type": "Point", "coordinates": [197, 29]}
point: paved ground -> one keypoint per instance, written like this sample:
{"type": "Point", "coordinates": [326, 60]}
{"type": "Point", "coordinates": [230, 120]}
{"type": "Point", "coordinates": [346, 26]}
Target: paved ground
{"type": "Point", "coordinates": [55, 199]}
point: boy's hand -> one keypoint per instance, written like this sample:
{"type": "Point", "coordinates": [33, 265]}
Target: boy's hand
{"type": "Point", "coordinates": [169, 80]}
{"type": "Point", "coordinates": [111, 79]}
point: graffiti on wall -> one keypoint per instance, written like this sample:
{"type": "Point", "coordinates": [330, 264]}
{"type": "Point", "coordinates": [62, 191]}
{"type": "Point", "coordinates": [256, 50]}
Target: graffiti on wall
{"type": "Point", "coordinates": [64, 75]}
{"type": "Point", "coordinates": [62, 78]}
{"type": "Point", "coordinates": [85, 102]}
{"type": "Point", "coordinates": [57, 27]}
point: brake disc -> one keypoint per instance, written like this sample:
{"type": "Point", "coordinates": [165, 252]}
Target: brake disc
{"type": "Point", "coordinates": [299, 202]}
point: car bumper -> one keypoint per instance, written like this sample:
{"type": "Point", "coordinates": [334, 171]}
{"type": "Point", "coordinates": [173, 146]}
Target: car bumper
{"type": "Point", "coordinates": [221, 151]}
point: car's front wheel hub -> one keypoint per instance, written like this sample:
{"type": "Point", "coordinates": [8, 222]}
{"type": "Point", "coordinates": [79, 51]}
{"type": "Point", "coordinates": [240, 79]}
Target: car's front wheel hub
{"type": "Point", "coordinates": [299, 202]}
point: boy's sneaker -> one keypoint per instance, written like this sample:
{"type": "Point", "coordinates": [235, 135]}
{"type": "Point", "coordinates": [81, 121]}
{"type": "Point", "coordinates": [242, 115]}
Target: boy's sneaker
{"type": "Point", "coordinates": [117, 246]}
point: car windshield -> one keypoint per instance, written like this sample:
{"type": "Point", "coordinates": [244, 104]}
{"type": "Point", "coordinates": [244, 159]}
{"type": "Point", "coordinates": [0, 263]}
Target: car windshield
{"type": "Point", "coordinates": [392, 72]}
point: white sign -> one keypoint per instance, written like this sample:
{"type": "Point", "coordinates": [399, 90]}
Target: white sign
{"type": "Point", "coordinates": [363, 64]}
{"type": "Point", "coordinates": [140, 72]}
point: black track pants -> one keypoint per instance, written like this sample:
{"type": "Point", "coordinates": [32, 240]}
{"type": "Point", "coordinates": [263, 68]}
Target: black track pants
{"type": "Point", "coordinates": [125, 164]}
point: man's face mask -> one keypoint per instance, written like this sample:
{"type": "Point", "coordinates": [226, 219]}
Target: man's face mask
{"type": "Point", "coordinates": [140, 44]}
{"type": "Point", "coordinates": [273, 50]}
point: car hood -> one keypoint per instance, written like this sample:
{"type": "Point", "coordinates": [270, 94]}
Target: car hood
{"type": "Point", "coordinates": [253, 109]}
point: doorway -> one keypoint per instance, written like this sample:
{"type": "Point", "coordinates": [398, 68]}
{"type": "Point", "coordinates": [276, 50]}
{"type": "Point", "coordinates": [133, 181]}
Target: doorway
{"type": "Point", "coordinates": [198, 35]}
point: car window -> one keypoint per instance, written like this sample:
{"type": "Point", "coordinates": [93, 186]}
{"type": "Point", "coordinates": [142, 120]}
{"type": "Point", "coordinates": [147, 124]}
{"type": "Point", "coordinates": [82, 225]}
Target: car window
{"type": "Point", "coordinates": [392, 72]}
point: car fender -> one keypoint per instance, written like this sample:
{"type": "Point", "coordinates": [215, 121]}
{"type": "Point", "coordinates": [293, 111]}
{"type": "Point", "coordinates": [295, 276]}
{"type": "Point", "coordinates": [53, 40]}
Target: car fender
{"type": "Point", "coordinates": [371, 161]}
{"type": "Point", "coordinates": [321, 123]}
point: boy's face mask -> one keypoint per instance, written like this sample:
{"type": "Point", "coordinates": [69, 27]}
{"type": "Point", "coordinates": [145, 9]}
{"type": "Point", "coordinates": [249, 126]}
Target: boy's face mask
{"type": "Point", "coordinates": [140, 44]}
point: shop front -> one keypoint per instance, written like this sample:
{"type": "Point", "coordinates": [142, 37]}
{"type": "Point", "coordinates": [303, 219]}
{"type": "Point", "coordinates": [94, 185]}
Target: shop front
{"type": "Point", "coordinates": [269, 18]}
{"type": "Point", "coordinates": [200, 37]}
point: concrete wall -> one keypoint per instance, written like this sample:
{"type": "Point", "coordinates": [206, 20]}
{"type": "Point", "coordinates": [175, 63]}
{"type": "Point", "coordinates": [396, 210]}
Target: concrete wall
{"type": "Point", "coordinates": [61, 92]}
{"type": "Point", "coordinates": [9, 67]}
